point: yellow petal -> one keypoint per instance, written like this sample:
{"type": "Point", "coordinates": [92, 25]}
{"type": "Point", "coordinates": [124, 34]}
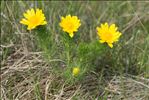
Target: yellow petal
{"type": "Point", "coordinates": [39, 13]}
{"type": "Point", "coordinates": [44, 23]}
{"type": "Point", "coordinates": [106, 25]}
{"type": "Point", "coordinates": [113, 27]}
{"type": "Point", "coordinates": [24, 21]}
{"type": "Point", "coordinates": [101, 41]}
{"type": "Point", "coordinates": [62, 18]}
{"type": "Point", "coordinates": [32, 12]}
{"type": "Point", "coordinates": [30, 27]}
{"type": "Point", "coordinates": [69, 16]}
{"type": "Point", "coordinates": [26, 15]}
{"type": "Point", "coordinates": [97, 28]}
{"type": "Point", "coordinates": [71, 35]}
{"type": "Point", "coordinates": [110, 45]}
{"type": "Point", "coordinates": [28, 12]}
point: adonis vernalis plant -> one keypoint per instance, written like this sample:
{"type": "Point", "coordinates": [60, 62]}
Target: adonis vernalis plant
{"type": "Point", "coordinates": [36, 21]}
{"type": "Point", "coordinates": [84, 55]}
{"type": "Point", "coordinates": [70, 24]}
{"type": "Point", "coordinates": [33, 18]}
{"type": "Point", "coordinates": [108, 33]}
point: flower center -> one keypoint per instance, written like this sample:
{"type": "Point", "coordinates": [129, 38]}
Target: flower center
{"type": "Point", "coordinates": [70, 25]}
{"type": "Point", "coordinates": [34, 20]}
{"type": "Point", "coordinates": [108, 36]}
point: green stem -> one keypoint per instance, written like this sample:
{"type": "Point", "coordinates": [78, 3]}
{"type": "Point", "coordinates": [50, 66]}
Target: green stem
{"type": "Point", "coordinates": [68, 54]}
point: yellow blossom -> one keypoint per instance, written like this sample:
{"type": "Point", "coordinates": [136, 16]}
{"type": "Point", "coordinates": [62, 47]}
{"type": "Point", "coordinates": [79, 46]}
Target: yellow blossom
{"type": "Point", "coordinates": [75, 71]}
{"type": "Point", "coordinates": [33, 18]}
{"type": "Point", "coordinates": [70, 24]}
{"type": "Point", "coordinates": [108, 33]}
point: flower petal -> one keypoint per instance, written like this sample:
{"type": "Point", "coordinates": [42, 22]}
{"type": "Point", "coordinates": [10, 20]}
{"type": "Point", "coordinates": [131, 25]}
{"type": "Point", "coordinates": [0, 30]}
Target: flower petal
{"type": "Point", "coordinates": [71, 35]}
{"type": "Point", "coordinates": [110, 45]}
{"type": "Point", "coordinates": [101, 41]}
{"type": "Point", "coordinates": [24, 21]}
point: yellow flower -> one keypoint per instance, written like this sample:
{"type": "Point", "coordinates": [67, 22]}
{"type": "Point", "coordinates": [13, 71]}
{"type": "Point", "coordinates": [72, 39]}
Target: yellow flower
{"type": "Point", "coordinates": [108, 33]}
{"type": "Point", "coordinates": [75, 71]}
{"type": "Point", "coordinates": [70, 24]}
{"type": "Point", "coordinates": [33, 18]}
